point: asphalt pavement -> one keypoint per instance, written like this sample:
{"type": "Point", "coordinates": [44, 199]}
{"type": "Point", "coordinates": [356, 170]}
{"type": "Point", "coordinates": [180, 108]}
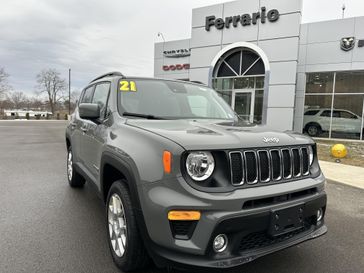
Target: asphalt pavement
{"type": "Point", "coordinates": [45, 226]}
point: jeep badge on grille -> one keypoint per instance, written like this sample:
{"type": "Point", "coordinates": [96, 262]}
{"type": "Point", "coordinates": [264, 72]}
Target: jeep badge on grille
{"type": "Point", "coordinates": [270, 139]}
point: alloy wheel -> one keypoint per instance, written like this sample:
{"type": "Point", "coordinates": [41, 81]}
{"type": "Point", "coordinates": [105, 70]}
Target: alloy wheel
{"type": "Point", "coordinates": [312, 130]}
{"type": "Point", "coordinates": [117, 225]}
{"type": "Point", "coordinates": [69, 165]}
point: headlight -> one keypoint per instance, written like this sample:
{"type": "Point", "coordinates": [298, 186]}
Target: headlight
{"type": "Point", "coordinates": [200, 165]}
{"type": "Point", "coordinates": [310, 154]}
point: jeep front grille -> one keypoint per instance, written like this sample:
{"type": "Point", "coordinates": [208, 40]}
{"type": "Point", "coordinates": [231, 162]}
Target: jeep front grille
{"type": "Point", "coordinates": [266, 165]}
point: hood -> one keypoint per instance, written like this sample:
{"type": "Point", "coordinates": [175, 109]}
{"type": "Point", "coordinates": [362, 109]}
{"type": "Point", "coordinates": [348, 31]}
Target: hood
{"type": "Point", "coordinates": [210, 134]}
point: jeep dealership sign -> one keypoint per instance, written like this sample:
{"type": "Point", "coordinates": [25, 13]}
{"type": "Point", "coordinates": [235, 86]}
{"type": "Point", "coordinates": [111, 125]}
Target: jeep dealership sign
{"type": "Point", "coordinates": [244, 20]}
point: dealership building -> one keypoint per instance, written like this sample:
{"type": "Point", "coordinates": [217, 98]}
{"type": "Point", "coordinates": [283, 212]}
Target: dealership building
{"type": "Point", "coordinates": [272, 69]}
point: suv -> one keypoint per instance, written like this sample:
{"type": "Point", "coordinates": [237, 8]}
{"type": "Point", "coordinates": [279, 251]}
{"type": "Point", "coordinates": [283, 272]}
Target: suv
{"type": "Point", "coordinates": [185, 182]}
{"type": "Point", "coordinates": [316, 121]}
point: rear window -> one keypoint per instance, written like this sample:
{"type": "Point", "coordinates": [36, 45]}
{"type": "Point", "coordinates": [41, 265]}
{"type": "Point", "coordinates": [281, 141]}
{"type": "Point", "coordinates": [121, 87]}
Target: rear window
{"type": "Point", "coordinates": [326, 113]}
{"type": "Point", "coordinates": [311, 112]}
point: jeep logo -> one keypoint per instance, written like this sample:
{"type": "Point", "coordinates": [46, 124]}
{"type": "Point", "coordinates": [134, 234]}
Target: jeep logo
{"type": "Point", "coordinates": [270, 139]}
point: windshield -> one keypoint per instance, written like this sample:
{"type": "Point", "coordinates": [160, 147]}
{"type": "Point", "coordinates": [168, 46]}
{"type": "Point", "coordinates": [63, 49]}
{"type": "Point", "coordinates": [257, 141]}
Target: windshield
{"type": "Point", "coordinates": [171, 100]}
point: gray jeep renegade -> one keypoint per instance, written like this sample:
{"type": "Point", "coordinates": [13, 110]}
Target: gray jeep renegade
{"type": "Point", "coordinates": [185, 181]}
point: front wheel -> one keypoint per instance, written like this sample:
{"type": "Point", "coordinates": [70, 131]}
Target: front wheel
{"type": "Point", "coordinates": [125, 243]}
{"type": "Point", "coordinates": [74, 178]}
{"type": "Point", "coordinates": [313, 130]}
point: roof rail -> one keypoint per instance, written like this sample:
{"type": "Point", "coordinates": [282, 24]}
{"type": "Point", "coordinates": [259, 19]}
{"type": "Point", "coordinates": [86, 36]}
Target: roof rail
{"type": "Point", "coordinates": [109, 74]}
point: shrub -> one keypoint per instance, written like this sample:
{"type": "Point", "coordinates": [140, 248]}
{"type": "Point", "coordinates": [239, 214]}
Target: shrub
{"type": "Point", "coordinates": [27, 116]}
{"type": "Point", "coordinates": [57, 115]}
{"type": "Point", "coordinates": [65, 116]}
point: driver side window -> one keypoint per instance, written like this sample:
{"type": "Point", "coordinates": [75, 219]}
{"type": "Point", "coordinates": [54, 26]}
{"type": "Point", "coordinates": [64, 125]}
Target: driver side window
{"type": "Point", "coordinates": [100, 97]}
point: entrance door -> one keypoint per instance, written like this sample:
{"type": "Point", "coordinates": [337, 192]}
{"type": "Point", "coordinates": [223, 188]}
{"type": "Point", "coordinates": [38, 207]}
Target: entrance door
{"type": "Point", "coordinates": [243, 104]}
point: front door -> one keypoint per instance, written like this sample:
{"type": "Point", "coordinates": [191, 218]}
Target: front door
{"type": "Point", "coordinates": [243, 104]}
{"type": "Point", "coordinates": [96, 131]}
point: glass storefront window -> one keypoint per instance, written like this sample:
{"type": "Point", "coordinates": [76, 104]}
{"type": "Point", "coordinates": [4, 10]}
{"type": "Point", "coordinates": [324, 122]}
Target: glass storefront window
{"type": "Point", "coordinates": [338, 112]}
{"type": "Point", "coordinates": [349, 82]}
{"type": "Point", "coordinates": [347, 116]}
{"type": "Point", "coordinates": [226, 95]}
{"type": "Point", "coordinates": [238, 77]}
{"type": "Point", "coordinates": [223, 84]}
{"type": "Point", "coordinates": [317, 123]}
{"type": "Point", "coordinates": [259, 82]}
{"type": "Point", "coordinates": [244, 83]}
{"type": "Point", "coordinates": [258, 106]}
{"type": "Point", "coordinates": [320, 82]}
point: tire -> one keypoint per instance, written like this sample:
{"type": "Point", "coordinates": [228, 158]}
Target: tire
{"type": "Point", "coordinates": [313, 129]}
{"type": "Point", "coordinates": [75, 180]}
{"type": "Point", "coordinates": [131, 255]}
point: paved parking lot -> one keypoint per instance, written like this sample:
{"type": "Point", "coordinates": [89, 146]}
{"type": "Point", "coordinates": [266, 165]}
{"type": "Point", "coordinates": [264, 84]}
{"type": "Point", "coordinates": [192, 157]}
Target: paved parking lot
{"type": "Point", "coordinates": [45, 226]}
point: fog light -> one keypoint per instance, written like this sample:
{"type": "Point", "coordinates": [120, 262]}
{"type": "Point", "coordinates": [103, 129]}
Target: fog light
{"type": "Point", "coordinates": [319, 215]}
{"type": "Point", "coordinates": [220, 243]}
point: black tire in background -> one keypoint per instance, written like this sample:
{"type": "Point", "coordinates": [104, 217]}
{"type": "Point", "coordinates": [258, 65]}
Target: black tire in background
{"type": "Point", "coordinates": [313, 129]}
{"type": "Point", "coordinates": [135, 256]}
{"type": "Point", "coordinates": [75, 180]}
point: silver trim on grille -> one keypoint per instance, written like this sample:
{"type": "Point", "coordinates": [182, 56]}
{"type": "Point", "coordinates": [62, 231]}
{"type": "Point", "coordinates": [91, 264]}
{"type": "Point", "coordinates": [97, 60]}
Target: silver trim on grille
{"type": "Point", "coordinates": [281, 151]}
{"type": "Point", "coordinates": [293, 166]}
{"type": "Point", "coordinates": [242, 171]}
{"type": "Point", "coordinates": [290, 163]}
{"type": "Point", "coordinates": [256, 167]}
{"type": "Point", "coordinates": [259, 167]}
{"type": "Point", "coordinates": [308, 163]}
{"type": "Point", "coordinates": [280, 164]}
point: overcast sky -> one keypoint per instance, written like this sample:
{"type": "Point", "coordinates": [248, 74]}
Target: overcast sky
{"type": "Point", "coordinates": [93, 37]}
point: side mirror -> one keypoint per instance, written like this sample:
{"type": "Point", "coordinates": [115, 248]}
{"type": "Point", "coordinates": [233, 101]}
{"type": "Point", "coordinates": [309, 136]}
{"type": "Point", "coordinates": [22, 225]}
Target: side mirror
{"type": "Point", "coordinates": [89, 110]}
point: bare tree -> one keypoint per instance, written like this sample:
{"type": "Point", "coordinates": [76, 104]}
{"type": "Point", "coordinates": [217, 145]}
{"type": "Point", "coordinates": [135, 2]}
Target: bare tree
{"type": "Point", "coordinates": [4, 86]}
{"type": "Point", "coordinates": [18, 99]}
{"type": "Point", "coordinates": [37, 103]}
{"type": "Point", "coordinates": [50, 82]}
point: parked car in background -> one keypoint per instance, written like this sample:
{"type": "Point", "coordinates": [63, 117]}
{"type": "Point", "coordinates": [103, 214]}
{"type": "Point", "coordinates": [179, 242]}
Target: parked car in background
{"type": "Point", "coordinates": [317, 121]}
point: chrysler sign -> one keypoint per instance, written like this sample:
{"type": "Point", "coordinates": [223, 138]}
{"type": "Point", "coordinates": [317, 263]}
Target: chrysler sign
{"type": "Point", "coordinates": [244, 20]}
{"type": "Point", "coordinates": [176, 53]}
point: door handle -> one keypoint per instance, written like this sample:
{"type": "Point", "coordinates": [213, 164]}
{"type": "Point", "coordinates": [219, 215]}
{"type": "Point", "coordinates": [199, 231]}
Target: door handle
{"type": "Point", "coordinates": [84, 130]}
{"type": "Point", "coordinates": [73, 125]}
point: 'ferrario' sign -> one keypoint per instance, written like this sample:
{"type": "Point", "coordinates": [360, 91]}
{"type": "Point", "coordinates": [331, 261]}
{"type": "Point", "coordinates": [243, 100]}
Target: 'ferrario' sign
{"type": "Point", "coordinates": [244, 20]}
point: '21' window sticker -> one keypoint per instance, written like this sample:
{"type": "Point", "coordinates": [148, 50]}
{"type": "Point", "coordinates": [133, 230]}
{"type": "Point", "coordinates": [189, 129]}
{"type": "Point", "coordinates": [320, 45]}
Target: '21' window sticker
{"type": "Point", "coordinates": [126, 86]}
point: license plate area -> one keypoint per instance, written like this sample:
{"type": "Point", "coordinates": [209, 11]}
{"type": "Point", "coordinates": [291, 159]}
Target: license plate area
{"type": "Point", "coordinates": [286, 220]}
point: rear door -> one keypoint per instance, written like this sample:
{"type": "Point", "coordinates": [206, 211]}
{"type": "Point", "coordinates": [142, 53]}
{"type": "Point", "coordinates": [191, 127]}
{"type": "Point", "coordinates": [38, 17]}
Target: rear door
{"type": "Point", "coordinates": [348, 122]}
{"type": "Point", "coordinates": [324, 120]}
{"type": "Point", "coordinates": [96, 131]}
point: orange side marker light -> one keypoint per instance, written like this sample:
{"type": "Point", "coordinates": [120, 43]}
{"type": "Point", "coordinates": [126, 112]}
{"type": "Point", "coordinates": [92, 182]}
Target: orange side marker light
{"type": "Point", "coordinates": [167, 161]}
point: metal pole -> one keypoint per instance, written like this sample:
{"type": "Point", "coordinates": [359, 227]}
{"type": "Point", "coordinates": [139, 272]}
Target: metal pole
{"type": "Point", "coordinates": [69, 91]}
{"type": "Point", "coordinates": [343, 8]}
{"type": "Point", "coordinates": [160, 34]}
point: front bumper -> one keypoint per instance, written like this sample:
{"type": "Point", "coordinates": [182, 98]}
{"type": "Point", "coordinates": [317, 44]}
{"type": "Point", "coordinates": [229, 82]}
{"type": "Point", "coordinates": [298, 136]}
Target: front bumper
{"type": "Point", "coordinates": [247, 229]}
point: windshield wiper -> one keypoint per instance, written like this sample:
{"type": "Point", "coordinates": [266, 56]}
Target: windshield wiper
{"type": "Point", "coordinates": [129, 114]}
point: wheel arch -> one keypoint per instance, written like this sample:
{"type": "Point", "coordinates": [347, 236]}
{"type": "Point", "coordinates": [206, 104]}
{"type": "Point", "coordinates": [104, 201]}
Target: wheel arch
{"type": "Point", "coordinates": [123, 170]}
{"type": "Point", "coordinates": [113, 168]}
{"type": "Point", "coordinates": [313, 123]}
{"type": "Point", "coordinates": [68, 140]}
